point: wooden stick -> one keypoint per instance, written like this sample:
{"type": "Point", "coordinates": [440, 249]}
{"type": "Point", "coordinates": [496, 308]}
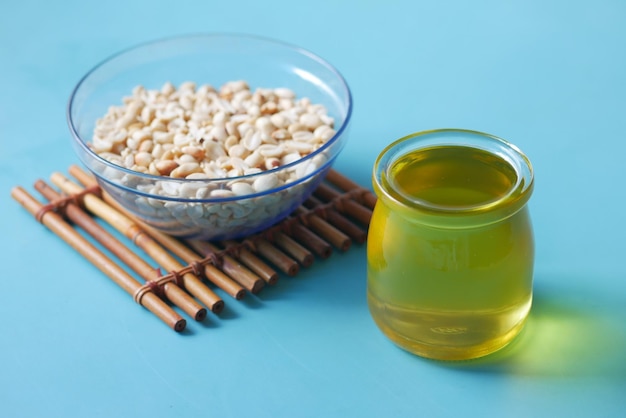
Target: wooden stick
{"type": "Point", "coordinates": [347, 185]}
{"type": "Point", "coordinates": [254, 263]}
{"type": "Point", "coordinates": [348, 206]}
{"type": "Point", "coordinates": [230, 266]}
{"type": "Point", "coordinates": [174, 293]}
{"type": "Point", "coordinates": [132, 231]}
{"type": "Point", "coordinates": [211, 272]}
{"type": "Point", "coordinates": [56, 224]}
{"type": "Point", "coordinates": [310, 240]}
{"type": "Point", "coordinates": [324, 229]}
{"type": "Point", "coordinates": [293, 248]}
{"type": "Point", "coordinates": [284, 263]}
{"type": "Point", "coordinates": [342, 223]}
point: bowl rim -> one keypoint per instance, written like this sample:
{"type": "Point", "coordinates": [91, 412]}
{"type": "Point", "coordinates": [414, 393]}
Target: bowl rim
{"type": "Point", "coordinates": [83, 143]}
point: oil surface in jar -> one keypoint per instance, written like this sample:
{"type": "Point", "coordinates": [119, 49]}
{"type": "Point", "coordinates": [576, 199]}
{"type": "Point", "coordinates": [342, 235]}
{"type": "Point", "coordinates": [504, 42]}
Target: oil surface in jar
{"type": "Point", "coordinates": [458, 292]}
{"type": "Point", "coordinates": [453, 177]}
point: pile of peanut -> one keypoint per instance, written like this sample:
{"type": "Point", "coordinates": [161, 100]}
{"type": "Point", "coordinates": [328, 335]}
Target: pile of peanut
{"type": "Point", "coordinates": [205, 133]}
{"type": "Point", "coordinates": [193, 132]}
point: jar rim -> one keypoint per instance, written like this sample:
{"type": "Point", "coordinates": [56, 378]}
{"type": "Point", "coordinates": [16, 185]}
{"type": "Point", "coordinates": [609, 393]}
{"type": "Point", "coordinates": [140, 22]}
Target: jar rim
{"type": "Point", "coordinates": [509, 202]}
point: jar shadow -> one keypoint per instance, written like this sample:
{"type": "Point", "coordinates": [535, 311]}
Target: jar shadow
{"type": "Point", "coordinates": [566, 335]}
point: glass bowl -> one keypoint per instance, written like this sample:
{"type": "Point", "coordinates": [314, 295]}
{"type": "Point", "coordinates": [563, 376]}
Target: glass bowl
{"type": "Point", "coordinates": [192, 208]}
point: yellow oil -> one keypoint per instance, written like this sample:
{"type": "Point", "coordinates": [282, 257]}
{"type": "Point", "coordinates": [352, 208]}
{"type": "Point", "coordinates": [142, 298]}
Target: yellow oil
{"type": "Point", "coordinates": [450, 291]}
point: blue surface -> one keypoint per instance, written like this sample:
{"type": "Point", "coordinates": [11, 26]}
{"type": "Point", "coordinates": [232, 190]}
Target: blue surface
{"type": "Point", "coordinates": [548, 76]}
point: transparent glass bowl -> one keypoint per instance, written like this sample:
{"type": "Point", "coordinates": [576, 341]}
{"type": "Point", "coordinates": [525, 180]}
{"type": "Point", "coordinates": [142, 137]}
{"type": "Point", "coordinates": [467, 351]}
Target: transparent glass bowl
{"type": "Point", "coordinates": [209, 59]}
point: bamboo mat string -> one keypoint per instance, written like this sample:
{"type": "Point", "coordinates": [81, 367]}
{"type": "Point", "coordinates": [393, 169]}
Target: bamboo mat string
{"type": "Point", "coordinates": [60, 203]}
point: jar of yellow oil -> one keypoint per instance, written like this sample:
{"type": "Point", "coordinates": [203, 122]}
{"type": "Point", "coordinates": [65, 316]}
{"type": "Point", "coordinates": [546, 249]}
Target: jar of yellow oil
{"type": "Point", "coordinates": [450, 246]}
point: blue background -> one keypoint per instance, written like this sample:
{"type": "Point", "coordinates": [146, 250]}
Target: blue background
{"type": "Point", "coordinates": [549, 76]}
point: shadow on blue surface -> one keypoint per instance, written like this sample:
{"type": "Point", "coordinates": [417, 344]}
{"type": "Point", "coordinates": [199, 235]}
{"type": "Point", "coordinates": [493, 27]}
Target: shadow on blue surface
{"type": "Point", "coordinates": [565, 336]}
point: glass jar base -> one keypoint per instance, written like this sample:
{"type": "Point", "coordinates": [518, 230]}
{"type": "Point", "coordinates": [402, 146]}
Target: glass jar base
{"type": "Point", "coordinates": [449, 353]}
{"type": "Point", "coordinates": [449, 336]}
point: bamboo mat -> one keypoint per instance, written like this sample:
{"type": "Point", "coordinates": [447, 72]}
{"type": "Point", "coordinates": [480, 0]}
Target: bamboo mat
{"type": "Point", "coordinates": [332, 219]}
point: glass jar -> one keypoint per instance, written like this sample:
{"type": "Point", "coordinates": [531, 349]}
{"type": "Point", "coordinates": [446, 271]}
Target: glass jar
{"type": "Point", "coordinates": [450, 247]}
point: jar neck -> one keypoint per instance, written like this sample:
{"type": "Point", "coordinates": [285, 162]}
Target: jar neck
{"type": "Point", "coordinates": [406, 169]}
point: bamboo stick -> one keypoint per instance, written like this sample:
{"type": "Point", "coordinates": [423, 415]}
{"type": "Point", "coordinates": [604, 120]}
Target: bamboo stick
{"type": "Point", "coordinates": [132, 231]}
{"type": "Point", "coordinates": [342, 223]}
{"type": "Point", "coordinates": [359, 212]}
{"type": "Point", "coordinates": [174, 293]}
{"type": "Point", "coordinates": [293, 248]}
{"type": "Point", "coordinates": [284, 263]}
{"type": "Point", "coordinates": [310, 240]}
{"type": "Point", "coordinates": [324, 229]}
{"type": "Point", "coordinates": [212, 273]}
{"type": "Point", "coordinates": [61, 228]}
{"type": "Point", "coordinates": [230, 266]}
{"type": "Point", "coordinates": [347, 185]}
{"type": "Point", "coordinates": [253, 262]}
